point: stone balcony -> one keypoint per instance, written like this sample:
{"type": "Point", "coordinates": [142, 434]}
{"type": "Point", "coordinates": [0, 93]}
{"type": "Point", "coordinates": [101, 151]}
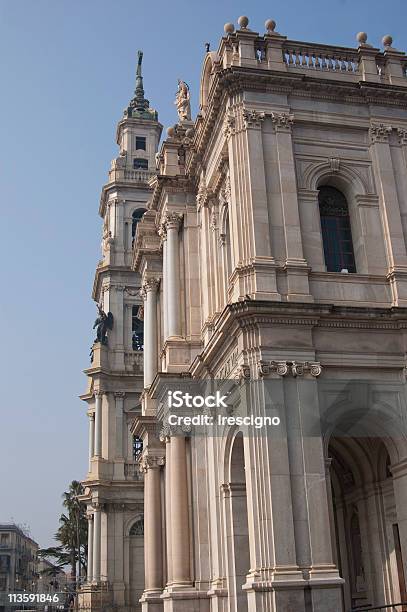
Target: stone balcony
{"type": "Point", "coordinates": [133, 361]}
{"type": "Point", "coordinates": [129, 175]}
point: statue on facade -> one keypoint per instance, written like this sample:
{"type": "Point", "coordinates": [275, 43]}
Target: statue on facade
{"type": "Point", "coordinates": [103, 323]}
{"type": "Point", "coordinates": [182, 101]}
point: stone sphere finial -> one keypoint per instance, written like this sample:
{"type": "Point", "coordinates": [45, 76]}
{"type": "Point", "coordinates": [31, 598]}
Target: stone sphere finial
{"type": "Point", "coordinates": [387, 40]}
{"type": "Point", "coordinates": [270, 25]}
{"type": "Point", "coordinates": [361, 37]}
{"type": "Point", "coordinates": [171, 132]}
{"type": "Point", "coordinates": [243, 21]}
{"type": "Point", "coordinates": [229, 28]}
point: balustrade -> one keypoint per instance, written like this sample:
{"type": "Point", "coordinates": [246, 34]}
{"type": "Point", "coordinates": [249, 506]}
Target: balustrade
{"type": "Point", "coordinates": [316, 57]}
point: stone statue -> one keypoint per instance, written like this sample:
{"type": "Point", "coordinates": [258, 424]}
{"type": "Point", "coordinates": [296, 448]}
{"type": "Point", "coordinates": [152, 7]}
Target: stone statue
{"type": "Point", "coordinates": [103, 323]}
{"type": "Point", "coordinates": [182, 101]}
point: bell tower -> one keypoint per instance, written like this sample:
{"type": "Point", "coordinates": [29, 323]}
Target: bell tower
{"type": "Point", "coordinates": [114, 487]}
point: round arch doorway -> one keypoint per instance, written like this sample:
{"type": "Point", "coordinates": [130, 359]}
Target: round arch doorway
{"type": "Point", "coordinates": [364, 523]}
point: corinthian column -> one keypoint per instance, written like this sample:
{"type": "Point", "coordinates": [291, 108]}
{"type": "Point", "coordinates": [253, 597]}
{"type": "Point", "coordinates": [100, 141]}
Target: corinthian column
{"type": "Point", "coordinates": [153, 551]}
{"type": "Point", "coordinates": [149, 292]}
{"type": "Point", "coordinates": [172, 283]}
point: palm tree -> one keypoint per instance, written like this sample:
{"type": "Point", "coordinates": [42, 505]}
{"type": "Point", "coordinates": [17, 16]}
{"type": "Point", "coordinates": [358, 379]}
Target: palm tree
{"type": "Point", "coordinates": [72, 534]}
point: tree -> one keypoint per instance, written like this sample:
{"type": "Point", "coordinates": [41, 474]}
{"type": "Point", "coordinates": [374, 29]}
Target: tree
{"type": "Point", "coordinates": [72, 534]}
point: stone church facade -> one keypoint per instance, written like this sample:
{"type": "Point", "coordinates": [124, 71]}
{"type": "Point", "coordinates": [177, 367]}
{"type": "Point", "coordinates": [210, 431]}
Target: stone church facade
{"type": "Point", "coordinates": [272, 253]}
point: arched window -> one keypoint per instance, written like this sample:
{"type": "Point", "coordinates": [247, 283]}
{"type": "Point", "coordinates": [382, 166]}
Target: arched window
{"type": "Point", "coordinates": [137, 330]}
{"type": "Point", "coordinates": [136, 217]}
{"type": "Point", "coordinates": [336, 230]}
{"type": "Point", "coordinates": [137, 529]}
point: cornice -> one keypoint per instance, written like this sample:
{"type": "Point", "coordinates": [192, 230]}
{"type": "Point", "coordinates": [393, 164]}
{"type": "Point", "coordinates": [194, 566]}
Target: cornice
{"type": "Point", "coordinates": [237, 79]}
{"type": "Point", "coordinates": [102, 271]}
{"type": "Point", "coordinates": [178, 183]}
{"type": "Point", "coordinates": [250, 314]}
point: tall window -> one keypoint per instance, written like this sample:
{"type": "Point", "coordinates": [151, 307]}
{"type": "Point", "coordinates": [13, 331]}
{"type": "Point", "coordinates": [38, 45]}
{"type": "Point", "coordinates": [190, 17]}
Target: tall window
{"type": "Point", "coordinates": [336, 230]}
{"type": "Point", "coordinates": [137, 447]}
{"type": "Point", "coordinates": [141, 143]}
{"type": "Point", "coordinates": [137, 330]}
{"type": "Point", "coordinates": [136, 216]}
{"type": "Point", "coordinates": [139, 163]}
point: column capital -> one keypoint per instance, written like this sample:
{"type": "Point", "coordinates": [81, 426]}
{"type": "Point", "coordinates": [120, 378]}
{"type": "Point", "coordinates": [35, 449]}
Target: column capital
{"type": "Point", "coordinates": [173, 220]}
{"type": "Point", "coordinates": [119, 394]}
{"type": "Point", "coordinates": [282, 122]}
{"type": "Point", "coordinates": [162, 232]}
{"type": "Point", "coordinates": [229, 125]}
{"type": "Point", "coordinates": [98, 393]}
{"type": "Point", "coordinates": [151, 462]}
{"type": "Point", "coordinates": [295, 368]}
{"type": "Point", "coordinates": [98, 506]}
{"type": "Point", "coordinates": [379, 132]}
{"type": "Point", "coordinates": [150, 284]}
{"type": "Point", "coordinates": [402, 135]}
{"type": "Point", "coordinates": [252, 118]}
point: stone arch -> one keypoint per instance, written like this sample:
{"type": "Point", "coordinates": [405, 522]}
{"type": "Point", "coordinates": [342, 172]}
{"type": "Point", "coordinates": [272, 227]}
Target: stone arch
{"type": "Point", "coordinates": [364, 437]}
{"type": "Point", "coordinates": [346, 179]}
{"type": "Point", "coordinates": [211, 59]}
{"type": "Point", "coordinates": [134, 559]}
{"type": "Point", "coordinates": [361, 529]}
{"type": "Point", "coordinates": [226, 451]}
{"type": "Point", "coordinates": [236, 522]}
{"type": "Point", "coordinates": [136, 216]}
{"type": "Point", "coordinates": [349, 417]}
{"type": "Point", "coordinates": [223, 217]}
{"type": "Point", "coordinates": [136, 207]}
{"type": "Point", "coordinates": [137, 528]}
{"type": "Point", "coordinates": [131, 521]}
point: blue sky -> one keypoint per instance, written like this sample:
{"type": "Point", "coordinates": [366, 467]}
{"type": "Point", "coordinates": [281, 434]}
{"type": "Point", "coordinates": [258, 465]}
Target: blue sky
{"type": "Point", "coordinates": [67, 73]}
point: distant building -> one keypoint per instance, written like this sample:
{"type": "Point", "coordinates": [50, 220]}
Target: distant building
{"type": "Point", "coordinates": [51, 579]}
{"type": "Point", "coordinates": [18, 560]}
